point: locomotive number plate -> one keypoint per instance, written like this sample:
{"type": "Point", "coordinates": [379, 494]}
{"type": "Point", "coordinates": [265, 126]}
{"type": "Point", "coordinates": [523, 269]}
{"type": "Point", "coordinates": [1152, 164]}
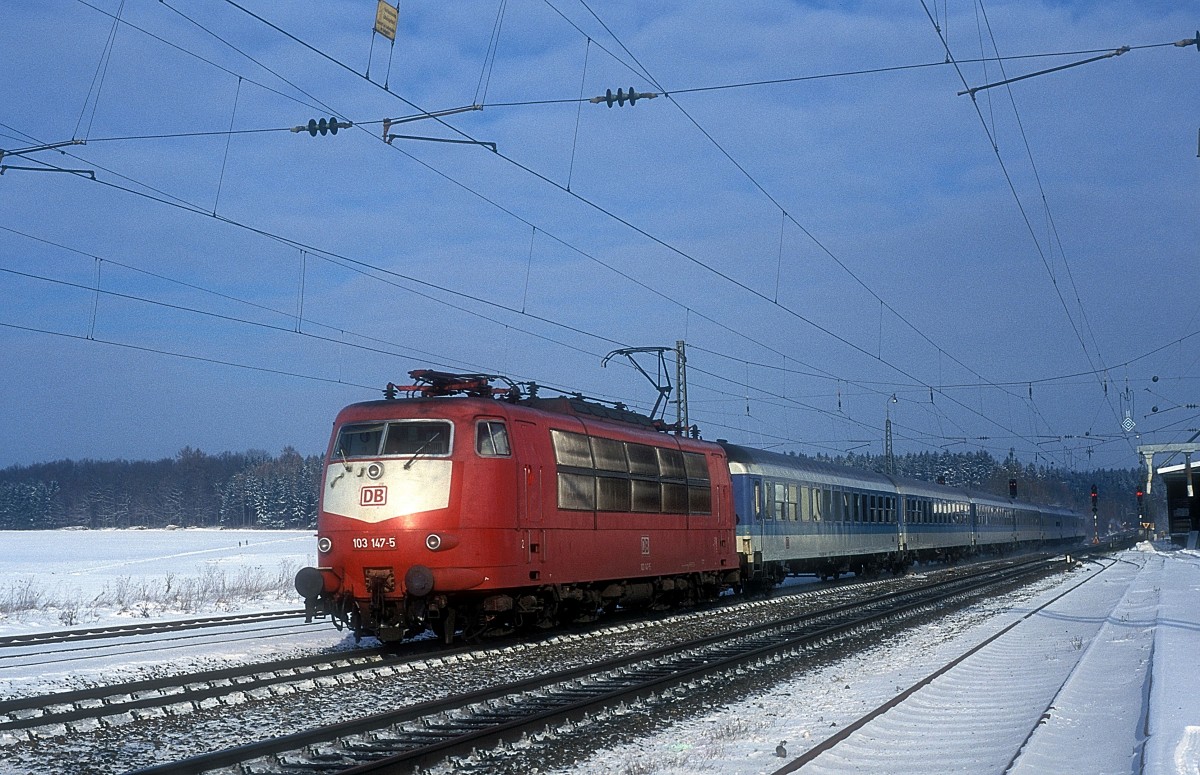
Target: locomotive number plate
{"type": "Point", "coordinates": [374, 542]}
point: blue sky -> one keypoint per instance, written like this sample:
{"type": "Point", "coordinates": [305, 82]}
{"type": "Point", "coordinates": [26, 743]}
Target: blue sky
{"type": "Point", "coordinates": [822, 244]}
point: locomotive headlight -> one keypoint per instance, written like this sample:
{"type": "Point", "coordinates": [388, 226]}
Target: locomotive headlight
{"type": "Point", "coordinates": [440, 542]}
{"type": "Point", "coordinates": [324, 544]}
{"type": "Point", "coordinates": [375, 470]}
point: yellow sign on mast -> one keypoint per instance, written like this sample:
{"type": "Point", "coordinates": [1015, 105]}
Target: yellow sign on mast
{"type": "Point", "coordinates": [386, 16]}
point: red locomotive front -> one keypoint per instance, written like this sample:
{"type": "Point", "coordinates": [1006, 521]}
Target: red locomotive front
{"type": "Point", "coordinates": [485, 514]}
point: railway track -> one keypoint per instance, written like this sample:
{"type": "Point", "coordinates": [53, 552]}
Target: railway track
{"type": "Point", "coordinates": [82, 709]}
{"type": "Point", "coordinates": [148, 627]}
{"type": "Point", "coordinates": [424, 733]}
{"type": "Point", "coordinates": [85, 709]}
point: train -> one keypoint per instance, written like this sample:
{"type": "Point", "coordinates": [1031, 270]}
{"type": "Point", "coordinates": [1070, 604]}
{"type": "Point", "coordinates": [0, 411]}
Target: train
{"type": "Point", "coordinates": [467, 510]}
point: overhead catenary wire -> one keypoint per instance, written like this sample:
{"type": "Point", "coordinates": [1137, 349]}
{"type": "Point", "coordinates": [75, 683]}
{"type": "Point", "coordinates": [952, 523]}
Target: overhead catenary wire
{"type": "Point", "coordinates": [1016, 196]}
{"type": "Point", "coordinates": [689, 310]}
{"type": "Point", "coordinates": [603, 210]}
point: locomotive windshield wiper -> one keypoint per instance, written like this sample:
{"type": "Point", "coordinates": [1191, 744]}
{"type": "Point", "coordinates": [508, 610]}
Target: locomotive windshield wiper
{"type": "Point", "coordinates": [421, 449]}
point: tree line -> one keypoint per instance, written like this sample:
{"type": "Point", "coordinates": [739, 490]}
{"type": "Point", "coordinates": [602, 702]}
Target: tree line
{"type": "Point", "coordinates": [257, 490]}
{"type": "Point", "coordinates": [248, 489]}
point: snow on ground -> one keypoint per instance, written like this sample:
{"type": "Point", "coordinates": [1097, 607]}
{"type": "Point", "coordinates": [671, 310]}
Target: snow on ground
{"type": "Point", "coordinates": [56, 579]}
{"type": "Point", "coordinates": [1101, 680]}
{"type": "Point", "coordinates": [66, 579]}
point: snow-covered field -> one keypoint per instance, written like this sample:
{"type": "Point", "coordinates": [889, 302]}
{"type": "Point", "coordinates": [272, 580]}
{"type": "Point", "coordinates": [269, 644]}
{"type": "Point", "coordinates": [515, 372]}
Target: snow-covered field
{"type": "Point", "coordinates": [57, 579]}
{"type": "Point", "coordinates": [1096, 675]}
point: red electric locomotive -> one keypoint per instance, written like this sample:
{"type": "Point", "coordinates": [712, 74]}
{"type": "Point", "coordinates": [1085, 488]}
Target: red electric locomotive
{"type": "Point", "coordinates": [464, 507]}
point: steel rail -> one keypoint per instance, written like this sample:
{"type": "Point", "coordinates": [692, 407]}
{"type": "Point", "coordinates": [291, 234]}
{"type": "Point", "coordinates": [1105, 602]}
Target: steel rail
{"type": "Point", "coordinates": [505, 712]}
{"type": "Point", "coordinates": [142, 628]}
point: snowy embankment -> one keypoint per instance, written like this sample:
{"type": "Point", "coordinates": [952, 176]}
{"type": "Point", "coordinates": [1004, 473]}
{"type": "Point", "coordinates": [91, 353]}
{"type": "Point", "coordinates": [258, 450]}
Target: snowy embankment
{"type": "Point", "coordinates": [59, 579]}
{"type": "Point", "coordinates": [1101, 679]}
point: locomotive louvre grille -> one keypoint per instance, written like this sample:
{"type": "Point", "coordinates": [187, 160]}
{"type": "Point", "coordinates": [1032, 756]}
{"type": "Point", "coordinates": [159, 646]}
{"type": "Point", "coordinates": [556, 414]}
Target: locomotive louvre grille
{"type": "Point", "coordinates": [597, 473]}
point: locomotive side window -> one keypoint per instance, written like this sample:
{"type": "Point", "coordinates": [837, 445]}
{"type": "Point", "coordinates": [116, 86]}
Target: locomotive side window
{"type": "Point", "coordinates": [609, 454]}
{"type": "Point", "coordinates": [674, 498]}
{"type": "Point", "coordinates": [358, 441]}
{"type": "Point", "coordinates": [699, 492]}
{"type": "Point", "coordinates": [696, 466]}
{"type": "Point", "coordinates": [612, 494]}
{"type": "Point", "coordinates": [576, 492]}
{"type": "Point", "coordinates": [670, 463]}
{"type": "Point", "coordinates": [642, 460]}
{"type": "Point", "coordinates": [571, 449]}
{"type": "Point", "coordinates": [429, 439]}
{"type": "Point", "coordinates": [491, 439]}
{"type": "Point", "coordinates": [613, 475]}
{"type": "Point", "coordinates": [647, 496]}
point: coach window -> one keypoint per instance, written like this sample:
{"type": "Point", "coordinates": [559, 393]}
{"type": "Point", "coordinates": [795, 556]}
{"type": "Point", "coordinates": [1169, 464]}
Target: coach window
{"type": "Point", "coordinates": [781, 501]}
{"type": "Point", "coordinates": [793, 502]}
{"type": "Point", "coordinates": [805, 504]}
{"type": "Point", "coordinates": [817, 504]}
{"type": "Point", "coordinates": [491, 439]}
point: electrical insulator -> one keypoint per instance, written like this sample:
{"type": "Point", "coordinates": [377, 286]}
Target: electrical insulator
{"type": "Point", "coordinates": [323, 126]}
{"type": "Point", "coordinates": [621, 96]}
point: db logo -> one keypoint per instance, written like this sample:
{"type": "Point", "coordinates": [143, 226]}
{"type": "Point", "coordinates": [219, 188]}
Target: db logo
{"type": "Point", "coordinates": [373, 496]}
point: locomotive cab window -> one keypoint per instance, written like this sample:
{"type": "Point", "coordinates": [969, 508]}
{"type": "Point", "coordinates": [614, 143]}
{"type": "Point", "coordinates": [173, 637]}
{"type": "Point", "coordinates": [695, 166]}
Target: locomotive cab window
{"type": "Point", "coordinates": [491, 439]}
{"type": "Point", "coordinates": [358, 441]}
{"type": "Point", "coordinates": [428, 439]}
